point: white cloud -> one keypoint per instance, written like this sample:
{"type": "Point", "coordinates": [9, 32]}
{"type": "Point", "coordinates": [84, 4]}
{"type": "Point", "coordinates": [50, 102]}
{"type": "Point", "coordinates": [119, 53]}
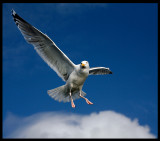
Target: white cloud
{"type": "Point", "coordinates": [105, 124]}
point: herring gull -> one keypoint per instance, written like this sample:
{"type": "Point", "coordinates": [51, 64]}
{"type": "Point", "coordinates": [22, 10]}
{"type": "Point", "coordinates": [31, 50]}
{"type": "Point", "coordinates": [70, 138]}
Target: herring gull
{"type": "Point", "coordinates": [73, 75]}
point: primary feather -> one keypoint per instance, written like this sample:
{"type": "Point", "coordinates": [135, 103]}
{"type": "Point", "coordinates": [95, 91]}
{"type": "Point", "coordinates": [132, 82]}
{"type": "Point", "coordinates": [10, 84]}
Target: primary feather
{"type": "Point", "coordinates": [45, 47]}
{"type": "Point", "coordinates": [99, 70]}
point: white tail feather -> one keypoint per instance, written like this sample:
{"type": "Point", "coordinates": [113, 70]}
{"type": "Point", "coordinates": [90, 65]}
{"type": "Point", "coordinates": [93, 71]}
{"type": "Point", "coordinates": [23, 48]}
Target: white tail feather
{"type": "Point", "coordinates": [60, 94]}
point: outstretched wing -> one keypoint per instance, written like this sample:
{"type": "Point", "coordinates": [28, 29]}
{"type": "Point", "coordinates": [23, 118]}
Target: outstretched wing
{"type": "Point", "coordinates": [99, 70]}
{"type": "Point", "coordinates": [45, 47]}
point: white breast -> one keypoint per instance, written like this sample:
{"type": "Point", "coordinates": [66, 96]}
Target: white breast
{"type": "Point", "coordinates": [77, 79]}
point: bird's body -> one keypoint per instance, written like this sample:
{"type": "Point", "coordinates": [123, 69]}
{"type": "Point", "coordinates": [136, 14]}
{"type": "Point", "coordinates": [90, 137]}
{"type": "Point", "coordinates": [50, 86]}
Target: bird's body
{"type": "Point", "coordinates": [73, 85]}
{"type": "Point", "coordinates": [73, 75]}
{"type": "Point", "coordinates": [77, 77]}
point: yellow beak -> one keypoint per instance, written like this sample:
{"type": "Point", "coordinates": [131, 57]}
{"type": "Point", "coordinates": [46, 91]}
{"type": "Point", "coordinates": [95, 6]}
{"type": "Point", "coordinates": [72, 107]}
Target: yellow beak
{"type": "Point", "coordinates": [83, 65]}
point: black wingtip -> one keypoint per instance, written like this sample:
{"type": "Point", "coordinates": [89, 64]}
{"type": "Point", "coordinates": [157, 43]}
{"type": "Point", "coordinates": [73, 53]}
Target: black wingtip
{"type": "Point", "coordinates": [13, 12]}
{"type": "Point", "coordinates": [17, 17]}
{"type": "Point", "coordinates": [110, 72]}
{"type": "Point", "coordinates": [14, 15]}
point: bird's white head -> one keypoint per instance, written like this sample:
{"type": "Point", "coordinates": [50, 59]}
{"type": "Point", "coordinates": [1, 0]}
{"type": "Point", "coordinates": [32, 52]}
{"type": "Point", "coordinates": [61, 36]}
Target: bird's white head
{"type": "Point", "coordinates": [84, 64]}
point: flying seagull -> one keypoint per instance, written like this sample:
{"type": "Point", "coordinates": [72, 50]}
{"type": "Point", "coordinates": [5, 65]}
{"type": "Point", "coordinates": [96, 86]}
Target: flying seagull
{"type": "Point", "coordinates": [73, 75]}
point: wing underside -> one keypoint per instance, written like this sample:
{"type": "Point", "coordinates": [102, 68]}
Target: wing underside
{"type": "Point", "coordinates": [45, 47]}
{"type": "Point", "coordinates": [99, 71]}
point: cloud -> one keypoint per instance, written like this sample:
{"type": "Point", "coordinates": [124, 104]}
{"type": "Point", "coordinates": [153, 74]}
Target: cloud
{"type": "Point", "coordinates": [105, 124]}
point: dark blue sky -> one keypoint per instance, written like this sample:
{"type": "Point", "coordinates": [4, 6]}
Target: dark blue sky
{"type": "Point", "coordinates": [123, 37]}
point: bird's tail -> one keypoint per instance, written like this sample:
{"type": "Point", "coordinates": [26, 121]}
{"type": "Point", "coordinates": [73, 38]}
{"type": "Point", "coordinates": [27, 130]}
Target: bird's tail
{"type": "Point", "coordinates": [61, 94]}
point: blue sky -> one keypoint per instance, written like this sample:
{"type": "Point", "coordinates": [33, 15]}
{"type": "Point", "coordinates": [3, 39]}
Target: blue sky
{"type": "Point", "coordinates": [123, 37]}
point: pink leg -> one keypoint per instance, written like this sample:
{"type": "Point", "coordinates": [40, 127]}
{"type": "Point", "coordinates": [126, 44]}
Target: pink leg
{"type": "Point", "coordinates": [88, 102]}
{"type": "Point", "coordinates": [72, 103]}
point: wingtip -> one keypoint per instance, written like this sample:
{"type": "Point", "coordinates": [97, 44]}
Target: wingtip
{"type": "Point", "coordinates": [13, 12]}
{"type": "Point", "coordinates": [110, 72]}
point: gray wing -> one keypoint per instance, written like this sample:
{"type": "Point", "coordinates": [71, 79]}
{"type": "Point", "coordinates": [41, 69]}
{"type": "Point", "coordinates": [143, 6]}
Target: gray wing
{"type": "Point", "coordinates": [45, 47]}
{"type": "Point", "coordinates": [99, 70]}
